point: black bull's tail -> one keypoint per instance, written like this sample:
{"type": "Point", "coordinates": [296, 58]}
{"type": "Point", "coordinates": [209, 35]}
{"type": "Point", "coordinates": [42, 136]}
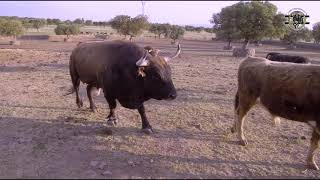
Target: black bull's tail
{"type": "Point", "coordinates": [74, 77]}
{"type": "Point", "coordinates": [70, 91]}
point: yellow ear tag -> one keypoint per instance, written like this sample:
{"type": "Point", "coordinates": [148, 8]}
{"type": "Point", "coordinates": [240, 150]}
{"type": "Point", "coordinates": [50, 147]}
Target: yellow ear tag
{"type": "Point", "coordinates": [141, 72]}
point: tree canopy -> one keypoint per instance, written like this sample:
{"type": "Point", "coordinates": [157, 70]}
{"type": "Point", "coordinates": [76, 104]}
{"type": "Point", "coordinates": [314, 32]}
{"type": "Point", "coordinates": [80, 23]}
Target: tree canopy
{"type": "Point", "coordinates": [250, 21]}
{"type": "Point", "coordinates": [126, 25]}
{"type": "Point", "coordinates": [38, 23]}
{"type": "Point", "coordinates": [66, 29]}
{"type": "Point", "coordinates": [10, 27]}
{"type": "Point", "coordinates": [316, 32]}
{"type": "Point", "coordinates": [293, 36]}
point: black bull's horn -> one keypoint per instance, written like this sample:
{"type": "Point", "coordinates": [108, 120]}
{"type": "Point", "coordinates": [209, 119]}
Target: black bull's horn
{"type": "Point", "coordinates": [143, 61]}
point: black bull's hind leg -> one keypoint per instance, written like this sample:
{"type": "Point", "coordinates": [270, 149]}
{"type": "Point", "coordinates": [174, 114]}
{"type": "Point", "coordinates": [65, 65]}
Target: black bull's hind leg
{"type": "Point", "coordinates": [76, 84]}
{"type": "Point", "coordinates": [111, 119]}
{"type": "Point", "coordinates": [93, 107]}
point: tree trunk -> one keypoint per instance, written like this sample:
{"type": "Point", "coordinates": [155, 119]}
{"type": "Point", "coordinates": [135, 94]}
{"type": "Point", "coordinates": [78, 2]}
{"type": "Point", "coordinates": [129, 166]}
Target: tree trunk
{"type": "Point", "coordinates": [245, 44]}
{"type": "Point", "coordinates": [229, 43]}
{"type": "Point", "coordinates": [159, 36]}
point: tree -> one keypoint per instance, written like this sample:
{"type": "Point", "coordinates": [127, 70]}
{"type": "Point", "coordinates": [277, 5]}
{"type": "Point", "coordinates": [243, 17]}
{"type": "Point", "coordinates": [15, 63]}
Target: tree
{"type": "Point", "coordinates": [176, 32]}
{"type": "Point", "coordinates": [199, 29]}
{"type": "Point", "coordinates": [136, 25]}
{"type": "Point", "coordinates": [89, 22]}
{"type": "Point", "coordinates": [49, 21]}
{"type": "Point", "coordinates": [224, 23]}
{"type": "Point", "coordinates": [129, 26]}
{"type": "Point", "coordinates": [159, 29]}
{"type": "Point", "coordinates": [155, 29]}
{"type": "Point", "coordinates": [10, 28]}
{"type": "Point", "coordinates": [165, 29]}
{"type": "Point", "coordinates": [291, 36]}
{"type": "Point", "coordinates": [67, 22]}
{"type": "Point", "coordinates": [79, 21]}
{"type": "Point", "coordinates": [279, 28]}
{"type": "Point", "coordinates": [66, 29]}
{"type": "Point", "coordinates": [316, 32]}
{"type": "Point", "coordinates": [27, 25]}
{"type": "Point", "coordinates": [189, 28]}
{"type": "Point", "coordinates": [209, 30]}
{"type": "Point", "coordinates": [250, 21]}
{"type": "Point", "coordinates": [38, 23]}
{"type": "Point", "coordinates": [120, 23]}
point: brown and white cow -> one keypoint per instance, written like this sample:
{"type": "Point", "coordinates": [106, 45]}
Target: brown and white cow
{"type": "Point", "coordinates": [286, 90]}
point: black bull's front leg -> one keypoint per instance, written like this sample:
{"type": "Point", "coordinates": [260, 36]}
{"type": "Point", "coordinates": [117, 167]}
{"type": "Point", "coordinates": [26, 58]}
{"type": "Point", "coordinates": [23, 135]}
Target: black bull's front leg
{"type": "Point", "coordinates": [146, 127]}
{"type": "Point", "coordinates": [112, 120]}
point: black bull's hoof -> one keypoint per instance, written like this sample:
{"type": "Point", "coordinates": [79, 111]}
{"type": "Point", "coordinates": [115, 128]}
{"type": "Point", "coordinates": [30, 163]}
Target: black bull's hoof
{"type": "Point", "coordinates": [147, 130]}
{"type": "Point", "coordinates": [112, 121]}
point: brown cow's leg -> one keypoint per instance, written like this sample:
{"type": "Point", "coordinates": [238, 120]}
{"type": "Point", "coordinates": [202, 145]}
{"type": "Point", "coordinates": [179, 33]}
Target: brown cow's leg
{"type": "Point", "coordinates": [93, 107]}
{"type": "Point", "coordinates": [236, 112]}
{"type": "Point", "coordinates": [146, 127]}
{"type": "Point", "coordinates": [314, 145]}
{"type": "Point", "coordinates": [245, 103]}
{"type": "Point", "coordinates": [111, 119]}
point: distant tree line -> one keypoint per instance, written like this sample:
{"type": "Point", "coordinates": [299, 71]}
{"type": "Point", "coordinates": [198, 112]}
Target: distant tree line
{"type": "Point", "coordinates": [230, 24]}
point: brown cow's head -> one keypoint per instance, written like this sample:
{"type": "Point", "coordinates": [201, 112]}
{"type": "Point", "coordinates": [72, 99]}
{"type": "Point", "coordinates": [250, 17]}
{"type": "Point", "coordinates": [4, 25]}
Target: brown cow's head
{"type": "Point", "coordinates": [156, 74]}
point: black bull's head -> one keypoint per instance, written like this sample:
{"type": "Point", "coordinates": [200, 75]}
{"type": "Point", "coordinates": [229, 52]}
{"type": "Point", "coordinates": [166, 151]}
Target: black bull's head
{"type": "Point", "coordinates": [156, 74]}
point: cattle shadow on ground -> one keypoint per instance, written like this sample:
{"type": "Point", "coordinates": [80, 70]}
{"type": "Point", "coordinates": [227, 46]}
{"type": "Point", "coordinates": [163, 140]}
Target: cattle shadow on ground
{"type": "Point", "coordinates": [54, 65]}
{"type": "Point", "coordinates": [184, 95]}
{"type": "Point", "coordinates": [52, 134]}
{"type": "Point", "coordinates": [10, 69]}
{"type": "Point", "coordinates": [22, 68]}
{"type": "Point", "coordinates": [178, 134]}
{"type": "Point", "coordinates": [46, 107]}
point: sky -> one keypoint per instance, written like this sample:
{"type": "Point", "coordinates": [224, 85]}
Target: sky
{"type": "Point", "coordinates": [174, 12]}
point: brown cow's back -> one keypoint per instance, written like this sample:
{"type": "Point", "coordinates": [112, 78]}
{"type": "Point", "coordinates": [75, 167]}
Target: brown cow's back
{"type": "Point", "coordinates": [286, 89]}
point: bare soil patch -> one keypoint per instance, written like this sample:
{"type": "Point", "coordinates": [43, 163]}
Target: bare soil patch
{"type": "Point", "coordinates": [44, 135]}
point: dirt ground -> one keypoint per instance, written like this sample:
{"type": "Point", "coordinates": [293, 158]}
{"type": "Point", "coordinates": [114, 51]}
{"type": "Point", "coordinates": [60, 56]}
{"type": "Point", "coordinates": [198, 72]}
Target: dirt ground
{"type": "Point", "coordinates": [44, 135]}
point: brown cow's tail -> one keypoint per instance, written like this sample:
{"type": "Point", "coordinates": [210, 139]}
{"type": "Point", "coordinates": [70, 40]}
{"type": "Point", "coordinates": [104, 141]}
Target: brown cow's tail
{"type": "Point", "coordinates": [236, 102]}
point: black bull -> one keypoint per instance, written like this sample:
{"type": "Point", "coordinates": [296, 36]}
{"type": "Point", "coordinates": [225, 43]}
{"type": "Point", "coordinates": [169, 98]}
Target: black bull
{"type": "Point", "coordinates": [287, 58]}
{"type": "Point", "coordinates": [126, 72]}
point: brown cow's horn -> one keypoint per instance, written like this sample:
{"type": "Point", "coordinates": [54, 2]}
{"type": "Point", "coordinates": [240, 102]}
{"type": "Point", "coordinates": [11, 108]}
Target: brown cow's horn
{"type": "Point", "coordinates": [177, 54]}
{"type": "Point", "coordinates": [143, 60]}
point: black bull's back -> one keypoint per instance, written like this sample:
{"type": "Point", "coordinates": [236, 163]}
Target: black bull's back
{"type": "Point", "coordinates": [287, 58]}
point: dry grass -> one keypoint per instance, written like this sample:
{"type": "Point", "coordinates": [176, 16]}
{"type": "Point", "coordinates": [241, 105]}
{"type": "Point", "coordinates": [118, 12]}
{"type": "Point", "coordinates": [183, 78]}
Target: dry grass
{"type": "Point", "coordinates": [45, 135]}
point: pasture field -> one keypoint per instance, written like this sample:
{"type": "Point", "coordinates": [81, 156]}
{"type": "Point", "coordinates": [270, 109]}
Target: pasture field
{"type": "Point", "coordinates": [44, 135]}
